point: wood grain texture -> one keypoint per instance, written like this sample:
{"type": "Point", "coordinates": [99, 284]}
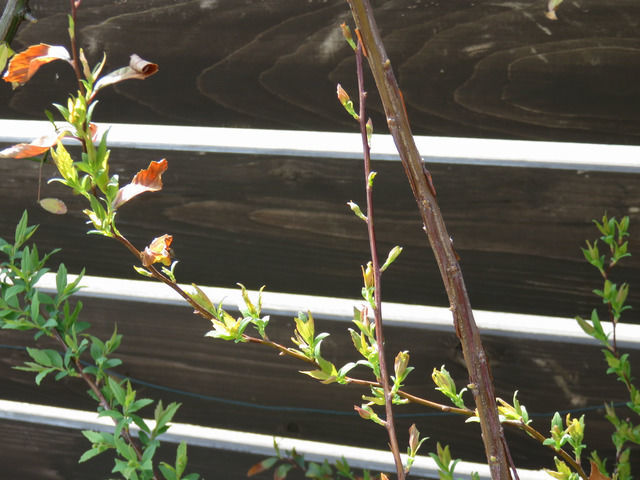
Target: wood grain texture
{"type": "Point", "coordinates": [250, 388]}
{"type": "Point", "coordinates": [479, 69]}
{"type": "Point", "coordinates": [51, 453]}
{"type": "Point", "coordinates": [283, 223]}
{"type": "Point", "coordinates": [483, 68]}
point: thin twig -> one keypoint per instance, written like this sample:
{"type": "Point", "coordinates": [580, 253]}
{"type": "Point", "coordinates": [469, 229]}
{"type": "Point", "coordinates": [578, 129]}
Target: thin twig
{"type": "Point", "coordinates": [74, 45]}
{"type": "Point", "coordinates": [466, 329]}
{"type": "Point", "coordinates": [375, 264]}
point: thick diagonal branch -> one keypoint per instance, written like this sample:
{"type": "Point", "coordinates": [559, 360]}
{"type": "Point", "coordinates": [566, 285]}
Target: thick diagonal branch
{"type": "Point", "coordinates": [14, 13]}
{"type": "Point", "coordinates": [466, 329]}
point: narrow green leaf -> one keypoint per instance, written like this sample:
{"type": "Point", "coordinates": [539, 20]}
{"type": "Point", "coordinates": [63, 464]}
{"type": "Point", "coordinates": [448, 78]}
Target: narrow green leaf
{"type": "Point", "coordinates": [89, 454]}
{"type": "Point", "coordinates": [168, 472]}
{"type": "Point", "coordinates": [117, 390]}
{"type": "Point", "coordinates": [181, 458]}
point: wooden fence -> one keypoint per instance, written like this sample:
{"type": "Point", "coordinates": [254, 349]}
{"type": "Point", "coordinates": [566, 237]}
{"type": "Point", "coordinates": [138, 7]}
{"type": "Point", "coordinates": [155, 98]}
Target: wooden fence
{"type": "Point", "coordinates": [267, 207]}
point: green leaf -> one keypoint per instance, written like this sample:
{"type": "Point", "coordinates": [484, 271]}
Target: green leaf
{"type": "Point", "coordinates": [163, 416]}
{"type": "Point", "coordinates": [21, 229]}
{"type": "Point", "coordinates": [89, 454]}
{"type": "Point", "coordinates": [5, 54]}
{"type": "Point", "coordinates": [168, 472]}
{"type": "Point", "coordinates": [12, 291]}
{"type": "Point", "coordinates": [356, 209]}
{"type": "Point", "coordinates": [143, 271]}
{"type": "Point", "coordinates": [324, 377]}
{"type": "Point", "coordinates": [97, 349]}
{"type": "Point", "coordinates": [61, 278]}
{"type": "Point", "coordinates": [64, 163]}
{"type": "Point", "coordinates": [43, 374]}
{"type": "Point", "coordinates": [181, 458]}
{"type": "Point", "coordinates": [139, 404]}
{"type": "Point", "coordinates": [115, 414]}
{"type": "Point", "coordinates": [98, 437]}
{"type": "Point", "coordinates": [586, 327]}
{"type": "Point", "coordinates": [391, 257]}
{"type": "Point", "coordinates": [282, 471]}
{"type": "Point", "coordinates": [48, 358]}
{"type": "Point", "coordinates": [140, 423]}
{"type": "Point", "coordinates": [35, 309]}
{"type": "Point", "coordinates": [201, 299]}
{"type": "Point", "coordinates": [117, 390]}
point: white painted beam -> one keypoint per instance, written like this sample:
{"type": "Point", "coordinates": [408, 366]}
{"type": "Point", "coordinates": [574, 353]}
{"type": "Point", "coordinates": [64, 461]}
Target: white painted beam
{"type": "Point", "coordinates": [250, 443]}
{"type": "Point", "coordinates": [555, 329]}
{"type": "Point", "coordinates": [473, 151]}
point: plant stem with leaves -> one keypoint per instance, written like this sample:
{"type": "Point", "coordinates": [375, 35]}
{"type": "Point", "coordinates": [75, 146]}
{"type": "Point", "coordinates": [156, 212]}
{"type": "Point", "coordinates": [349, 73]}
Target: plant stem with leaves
{"type": "Point", "coordinates": [614, 235]}
{"type": "Point", "coordinates": [365, 132]}
{"type": "Point", "coordinates": [24, 307]}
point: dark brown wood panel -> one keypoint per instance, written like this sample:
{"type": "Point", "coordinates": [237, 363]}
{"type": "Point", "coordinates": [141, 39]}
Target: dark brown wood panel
{"type": "Point", "coordinates": [282, 222]}
{"type": "Point", "coordinates": [250, 388]}
{"type": "Point", "coordinates": [42, 452]}
{"type": "Point", "coordinates": [480, 69]}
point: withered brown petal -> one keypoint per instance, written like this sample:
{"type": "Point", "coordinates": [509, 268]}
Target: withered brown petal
{"type": "Point", "coordinates": [25, 64]}
{"type": "Point", "coordinates": [158, 251]}
{"type": "Point", "coordinates": [138, 68]}
{"type": "Point", "coordinates": [33, 149]}
{"type": "Point", "coordinates": [142, 66]}
{"type": "Point", "coordinates": [147, 180]}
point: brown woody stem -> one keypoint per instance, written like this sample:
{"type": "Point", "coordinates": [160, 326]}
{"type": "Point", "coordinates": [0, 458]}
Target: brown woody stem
{"type": "Point", "coordinates": [466, 329]}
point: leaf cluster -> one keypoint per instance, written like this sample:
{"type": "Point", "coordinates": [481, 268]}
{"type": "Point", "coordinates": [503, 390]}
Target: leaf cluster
{"type": "Point", "coordinates": [309, 345]}
{"type": "Point", "coordinates": [25, 307]}
{"type": "Point", "coordinates": [285, 462]}
{"type": "Point", "coordinates": [446, 465]}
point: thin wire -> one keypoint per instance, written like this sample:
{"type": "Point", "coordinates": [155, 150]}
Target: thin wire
{"type": "Point", "coordinates": [286, 408]}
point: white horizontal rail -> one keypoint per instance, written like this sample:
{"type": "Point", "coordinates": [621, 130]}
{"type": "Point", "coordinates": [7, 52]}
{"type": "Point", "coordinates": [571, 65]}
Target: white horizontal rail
{"type": "Point", "coordinates": [250, 443]}
{"type": "Point", "coordinates": [508, 153]}
{"type": "Point", "coordinates": [395, 314]}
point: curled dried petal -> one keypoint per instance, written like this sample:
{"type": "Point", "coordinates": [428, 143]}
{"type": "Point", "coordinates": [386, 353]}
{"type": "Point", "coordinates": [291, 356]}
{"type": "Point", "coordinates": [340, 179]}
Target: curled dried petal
{"type": "Point", "coordinates": [138, 68]}
{"type": "Point", "coordinates": [147, 180]}
{"type": "Point", "coordinates": [142, 67]}
{"type": "Point", "coordinates": [158, 251]}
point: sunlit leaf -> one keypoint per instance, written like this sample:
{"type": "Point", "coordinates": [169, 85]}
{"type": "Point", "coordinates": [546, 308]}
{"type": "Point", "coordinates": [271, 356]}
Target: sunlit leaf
{"type": "Point", "coordinates": [158, 251]}
{"type": "Point", "coordinates": [138, 68]}
{"type": "Point", "coordinates": [33, 149]}
{"type": "Point", "coordinates": [53, 205]}
{"type": "Point", "coordinates": [148, 180]}
{"type": "Point", "coordinates": [24, 65]}
{"type": "Point", "coordinates": [5, 54]}
{"type": "Point", "coordinates": [64, 162]}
